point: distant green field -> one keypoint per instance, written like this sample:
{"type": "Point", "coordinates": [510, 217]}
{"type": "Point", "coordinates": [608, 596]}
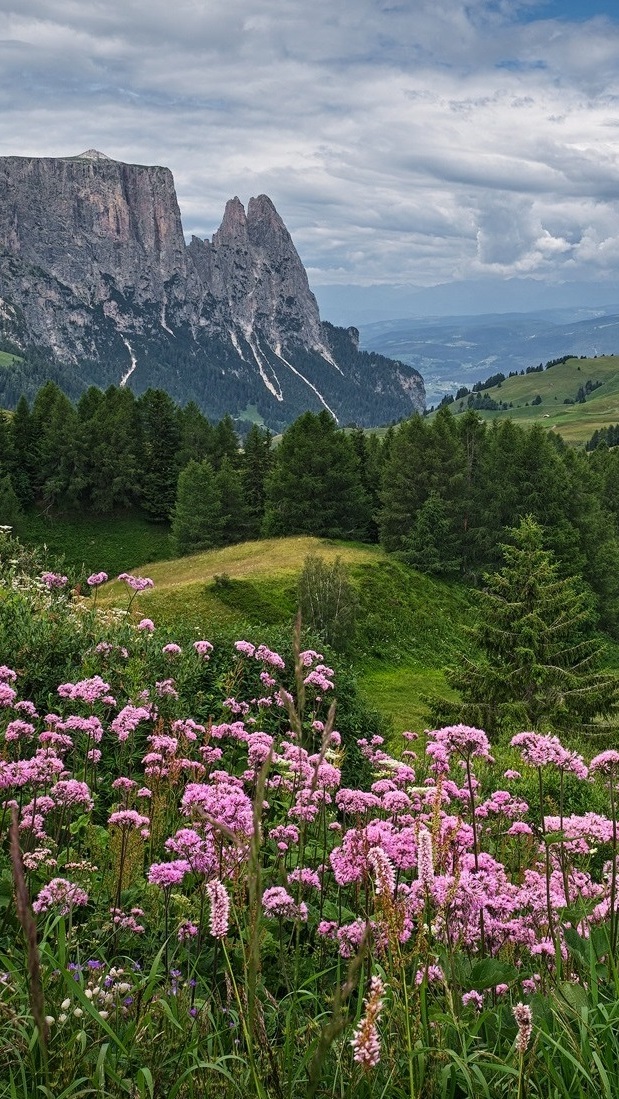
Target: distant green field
{"type": "Point", "coordinates": [575, 422]}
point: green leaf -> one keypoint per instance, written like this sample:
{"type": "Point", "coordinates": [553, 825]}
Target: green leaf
{"type": "Point", "coordinates": [490, 972]}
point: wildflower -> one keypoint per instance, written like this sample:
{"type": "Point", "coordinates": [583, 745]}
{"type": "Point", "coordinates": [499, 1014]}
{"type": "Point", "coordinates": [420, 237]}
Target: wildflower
{"type": "Point", "coordinates": [146, 624]}
{"type": "Point", "coordinates": [136, 583]}
{"type": "Point", "coordinates": [220, 909]}
{"type": "Point", "coordinates": [383, 870]}
{"type": "Point", "coordinates": [61, 893]}
{"type": "Point", "coordinates": [203, 648]}
{"type": "Point", "coordinates": [474, 998]}
{"type": "Point", "coordinates": [365, 1041]}
{"type": "Point", "coordinates": [96, 578]}
{"type": "Point", "coordinates": [166, 874]}
{"type": "Point", "coordinates": [53, 580]}
{"type": "Point", "coordinates": [606, 763]}
{"type": "Point", "coordinates": [172, 649]}
{"type": "Point", "coordinates": [425, 862]}
{"type": "Point", "coordinates": [277, 902]}
{"type": "Point", "coordinates": [524, 1019]}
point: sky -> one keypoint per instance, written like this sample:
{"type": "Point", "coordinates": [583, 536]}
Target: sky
{"type": "Point", "coordinates": [407, 144]}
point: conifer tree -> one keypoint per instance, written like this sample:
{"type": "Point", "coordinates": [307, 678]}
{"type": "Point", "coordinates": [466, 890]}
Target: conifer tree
{"type": "Point", "coordinates": [535, 663]}
{"type": "Point", "coordinates": [196, 517]}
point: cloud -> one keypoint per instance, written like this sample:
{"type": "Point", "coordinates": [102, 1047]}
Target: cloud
{"type": "Point", "coordinates": [401, 143]}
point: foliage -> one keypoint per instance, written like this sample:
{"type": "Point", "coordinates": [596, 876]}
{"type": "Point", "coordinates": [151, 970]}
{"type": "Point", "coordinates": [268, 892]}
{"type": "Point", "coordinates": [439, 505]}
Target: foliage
{"type": "Point", "coordinates": [328, 601]}
{"type": "Point", "coordinates": [538, 666]}
{"type": "Point", "coordinates": [195, 903]}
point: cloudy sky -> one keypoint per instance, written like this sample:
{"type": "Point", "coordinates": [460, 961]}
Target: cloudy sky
{"type": "Point", "coordinates": [404, 142]}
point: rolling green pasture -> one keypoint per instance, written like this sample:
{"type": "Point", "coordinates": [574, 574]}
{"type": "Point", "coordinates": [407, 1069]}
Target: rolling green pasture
{"type": "Point", "coordinates": [409, 626]}
{"type": "Point", "coordinates": [575, 422]}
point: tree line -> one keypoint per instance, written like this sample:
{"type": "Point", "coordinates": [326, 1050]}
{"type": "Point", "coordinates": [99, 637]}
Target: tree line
{"type": "Point", "coordinates": [438, 493]}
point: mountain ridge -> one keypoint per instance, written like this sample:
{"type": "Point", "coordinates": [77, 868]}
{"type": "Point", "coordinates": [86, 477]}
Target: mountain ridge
{"type": "Point", "coordinates": [94, 268]}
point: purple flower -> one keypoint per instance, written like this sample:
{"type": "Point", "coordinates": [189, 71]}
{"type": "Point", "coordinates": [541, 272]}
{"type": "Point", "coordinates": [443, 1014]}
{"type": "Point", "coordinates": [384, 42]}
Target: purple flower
{"type": "Point", "coordinates": [146, 624]}
{"type": "Point", "coordinates": [62, 894]}
{"type": "Point", "coordinates": [166, 874]}
{"type": "Point", "coordinates": [96, 578]}
{"type": "Point", "coordinates": [136, 583]}
{"type": "Point", "coordinates": [172, 649]}
{"type": "Point", "coordinates": [53, 580]}
{"type": "Point", "coordinates": [203, 648]}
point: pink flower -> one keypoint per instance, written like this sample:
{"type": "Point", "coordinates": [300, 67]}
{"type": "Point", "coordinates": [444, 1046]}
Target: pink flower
{"type": "Point", "coordinates": [172, 649]}
{"type": "Point", "coordinates": [136, 583]}
{"type": "Point", "coordinates": [62, 894]}
{"type": "Point", "coordinates": [474, 998]}
{"type": "Point", "coordinates": [606, 763]}
{"type": "Point", "coordinates": [220, 909]}
{"type": "Point", "coordinates": [277, 902]}
{"type": "Point", "coordinates": [203, 648]}
{"type": "Point", "coordinates": [524, 1019]}
{"type": "Point", "coordinates": [425, 862]}
{"type": "Point", "coordinates": [166, 874]}
{"type": "Point", "coordinates": [245, 647]}
{"type": "Point", "coordinates": [365, 1041]}
{"type": "Point", "coordinates": [53, 580]}
{"type": "Point", "coordinates": [384, 873]}
{"type": "Point", "coordinates": [146, 624]}
{"type": "Point", "coordinates": [96, 578]}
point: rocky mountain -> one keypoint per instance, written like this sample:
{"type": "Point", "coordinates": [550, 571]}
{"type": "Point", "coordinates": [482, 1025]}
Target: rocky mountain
{"type": "Point", "coordinates": [96, 275]}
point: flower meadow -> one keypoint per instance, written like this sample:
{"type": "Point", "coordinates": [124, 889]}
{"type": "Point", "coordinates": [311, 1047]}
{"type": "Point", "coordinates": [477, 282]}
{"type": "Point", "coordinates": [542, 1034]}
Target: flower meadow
{"type": "Point", "coordinates": [200, 896]}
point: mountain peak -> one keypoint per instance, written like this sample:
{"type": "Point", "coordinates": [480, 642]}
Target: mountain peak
{"type": "Point", "coordinates": [93, 154]}
{"type": "Point", "coordinates": [94, 267]}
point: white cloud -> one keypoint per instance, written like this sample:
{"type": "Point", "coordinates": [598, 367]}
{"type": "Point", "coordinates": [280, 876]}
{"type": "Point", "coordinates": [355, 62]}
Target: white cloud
{"type": "Point", "coordinates": [400, 143]}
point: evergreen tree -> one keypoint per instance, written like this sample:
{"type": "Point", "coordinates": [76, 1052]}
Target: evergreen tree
{"type": "Point", "coordinates": [11, 512]}
{"type": "Point", "coordinates": [257, 462]}
{"type": "Point", "coordinates": [196, 516]}
{"type": "Point", "coordinates": [161, 441]}
{"type": "Point", "coordinates": [433, 544]}
{"type": "Point", "coordinates": [197, 436]}
{"type": "Point", "coordinates": [233, 513]}
{"type": "Point", "coordinates": [536, 663]}
{"type": "Point", "coordinates": [23, 473]}
{"type": "Point", "coordinates": [54, 431]}
{"type": "Point", "coordinates": [315, 487]}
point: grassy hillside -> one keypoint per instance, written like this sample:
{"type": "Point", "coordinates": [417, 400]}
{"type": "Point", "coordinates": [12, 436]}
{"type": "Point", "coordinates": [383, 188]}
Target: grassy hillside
{"type": "Point", "coordinates": [575, 422]}
{"type": "Point", "coordinates": [115, 544]}
{"type": "Point", "coordinates": [409, 626]}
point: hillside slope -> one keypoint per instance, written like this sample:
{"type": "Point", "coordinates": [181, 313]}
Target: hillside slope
{"type": "Point", "coordinates": [575, 421]}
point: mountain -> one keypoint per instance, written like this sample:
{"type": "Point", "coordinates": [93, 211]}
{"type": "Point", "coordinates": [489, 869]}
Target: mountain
{"type": "Point", "coordinates": [454, 351]}
{"type": "Point", "coordinates": [95, 272]}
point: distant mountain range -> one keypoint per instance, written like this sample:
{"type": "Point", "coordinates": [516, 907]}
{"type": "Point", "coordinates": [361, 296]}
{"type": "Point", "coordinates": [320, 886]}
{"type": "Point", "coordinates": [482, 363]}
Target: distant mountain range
{"type": "Point", "coordinates": [451, 352]}
{"type": "Point", "coordinates": [96, 276]}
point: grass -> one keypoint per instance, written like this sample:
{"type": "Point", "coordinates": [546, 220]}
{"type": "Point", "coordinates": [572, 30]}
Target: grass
{"type": "Point", "coordinates": [6, 359]}
{"type": "Point", "coordinates": [409, 625]}
{"type": "Point", "coordinates": [112, 545]}
{"type": "Point", "coordinates": [575, 422]}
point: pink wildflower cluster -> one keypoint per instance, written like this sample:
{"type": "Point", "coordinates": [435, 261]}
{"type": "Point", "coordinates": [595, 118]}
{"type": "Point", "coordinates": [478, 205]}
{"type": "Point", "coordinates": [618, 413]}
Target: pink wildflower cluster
{"type": "Point", "coordinates": [136, 583]}
{"type": "Point", "coordinates": [61, 895]}
{"type": "Point", "coordinates": [54, 580]}
{"type": "Point", "coordinates": [365, 1041]}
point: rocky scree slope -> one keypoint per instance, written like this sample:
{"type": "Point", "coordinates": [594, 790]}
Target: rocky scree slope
{"type": "Point", "coordinates": [94, 269]}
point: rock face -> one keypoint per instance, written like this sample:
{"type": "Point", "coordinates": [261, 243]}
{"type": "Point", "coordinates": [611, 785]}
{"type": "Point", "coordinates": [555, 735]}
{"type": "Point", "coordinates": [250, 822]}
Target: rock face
{"type": "Point", "coordinates": [95, 269]}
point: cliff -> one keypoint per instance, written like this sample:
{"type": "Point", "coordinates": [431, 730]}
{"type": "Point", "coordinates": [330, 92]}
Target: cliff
{"type": "Point", "coordinates": [95, 269]}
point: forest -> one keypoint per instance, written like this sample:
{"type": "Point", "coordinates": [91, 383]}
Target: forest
{"type": "Point", "coordinates": [439, 493]}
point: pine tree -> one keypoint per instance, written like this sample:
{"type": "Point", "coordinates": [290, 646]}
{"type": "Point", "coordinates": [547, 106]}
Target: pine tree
{"type": "Point", "coordinates": [536, 663]}
{"type": "Point", "coordinates": [196, 517]}
{"type": "Point", "coordinates": [161, 441]}
{"type": "Point", "coordinates": [233, 512]}
{"type": "Point", "coordinates": [315, 487]}
{"type": "Point", "coordinates": [258, 460]}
